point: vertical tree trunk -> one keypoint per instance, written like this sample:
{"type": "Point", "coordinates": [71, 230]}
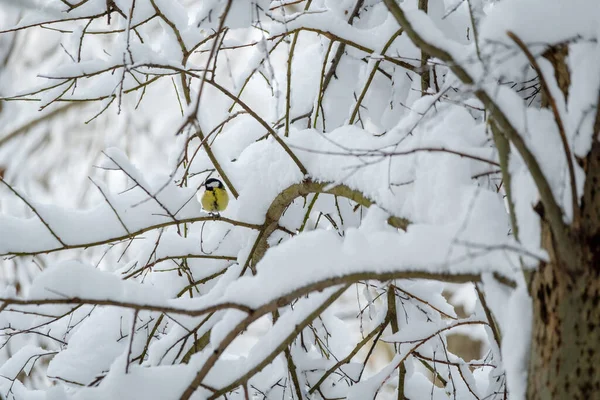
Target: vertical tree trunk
{"type": "Point", "coordinates": [565, 345]}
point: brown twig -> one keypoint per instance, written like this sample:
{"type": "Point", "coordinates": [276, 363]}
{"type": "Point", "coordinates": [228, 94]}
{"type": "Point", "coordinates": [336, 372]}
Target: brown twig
{"type": "Point", "coordinates": [35, 211]}
{"type": "Point", "coordinates": [559, 124]}
{"type": "Point", "coordinates": [567, 246]}
{"type": "Point", "coordinates": [367, 85]}
{"type": "Point", "coordinates": [262, 122]}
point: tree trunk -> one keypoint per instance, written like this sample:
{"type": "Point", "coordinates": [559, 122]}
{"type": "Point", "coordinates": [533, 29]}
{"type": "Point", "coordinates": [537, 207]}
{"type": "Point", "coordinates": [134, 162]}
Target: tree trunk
{"type": "Point", "coordinates": [565, 347]}
{"type": "Point", "coordinates": [565, 344]}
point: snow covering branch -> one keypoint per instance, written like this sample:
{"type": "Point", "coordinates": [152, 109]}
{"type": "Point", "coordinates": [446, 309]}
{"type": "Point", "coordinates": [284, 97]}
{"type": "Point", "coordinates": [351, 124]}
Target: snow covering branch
{"type": "Point", "coordinates": [6, 302]}
{"type": "Point", "coordinates": [261, 121]}
{"type": "Point", "coordinates": [282, 345]}
{"type": "Point", "coordinates": [35, 211]}
{"type": "Point", "coordinates": [559, 124]}
{"type": "Point", "coordinates": [357, 202]}
{"type": "Point", "coordinates": [132, 235]}
{"type": "Point", "coordinates": [303, 189]}
{"type": "Point", "coordinates": [553, 211]}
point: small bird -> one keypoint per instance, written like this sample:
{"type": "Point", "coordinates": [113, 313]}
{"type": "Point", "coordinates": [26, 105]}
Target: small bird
{"type": "Point", "coordinates": [215, 198]}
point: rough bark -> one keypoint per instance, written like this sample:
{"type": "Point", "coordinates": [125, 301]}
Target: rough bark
{"type": "Point", "coordinates": [564, 360]}
{"type": "Point", "coordinates": [557, 55]}
{"type": "Point", "coordinates": [565, 348]}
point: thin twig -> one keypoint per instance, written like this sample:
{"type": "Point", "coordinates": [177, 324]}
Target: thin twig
{"type": "Point", "coordinates": [42, 220]}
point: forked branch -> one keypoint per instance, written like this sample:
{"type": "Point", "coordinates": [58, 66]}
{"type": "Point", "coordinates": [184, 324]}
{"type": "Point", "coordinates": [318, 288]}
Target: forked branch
{"type": "Point", "coordinates": [554, 213]}
{"type": "Point", "coordinates": [559, 124]}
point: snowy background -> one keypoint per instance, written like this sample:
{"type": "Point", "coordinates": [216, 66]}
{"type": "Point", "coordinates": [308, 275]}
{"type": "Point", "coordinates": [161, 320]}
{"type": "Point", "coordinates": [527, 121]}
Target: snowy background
{"type": "Point", "coordinates": [367, 196]}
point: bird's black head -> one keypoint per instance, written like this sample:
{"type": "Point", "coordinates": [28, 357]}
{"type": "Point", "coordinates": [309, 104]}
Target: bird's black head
{"type": "Point", "coordinates": [213, 183]}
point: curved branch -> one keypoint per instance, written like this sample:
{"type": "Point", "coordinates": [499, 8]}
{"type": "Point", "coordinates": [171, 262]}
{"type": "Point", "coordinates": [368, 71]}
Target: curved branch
{"type": "Point", "coordinates": [302, 189]}
{"type": "Point", "coordinates": [276, 209]}
{"type": "Point", "coordinates": [136, 233]}
{"type": "Point", "coordinates": [559, 124]}
{"type": "Point", "coordinates": [553, 211]}
{"type": "Point", "coordinates": [283, 344]}
{"type": "Point", "coordinates": [321, 285]}
{"type": "Point", "coordinates": [125, 304]}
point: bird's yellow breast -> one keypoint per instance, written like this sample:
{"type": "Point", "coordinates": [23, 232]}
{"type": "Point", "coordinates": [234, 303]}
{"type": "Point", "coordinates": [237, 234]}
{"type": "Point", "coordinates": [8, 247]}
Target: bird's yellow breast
{"type": "Point", "coordinates": [215, 200]}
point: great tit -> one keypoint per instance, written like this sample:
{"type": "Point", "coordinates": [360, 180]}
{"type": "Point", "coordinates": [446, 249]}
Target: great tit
{"type": "Point", "coordinates": [215, 197]}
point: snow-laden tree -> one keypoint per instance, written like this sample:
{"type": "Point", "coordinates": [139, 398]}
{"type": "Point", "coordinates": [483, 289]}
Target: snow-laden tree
{"type": "Point", "coordinates": [376, 152]}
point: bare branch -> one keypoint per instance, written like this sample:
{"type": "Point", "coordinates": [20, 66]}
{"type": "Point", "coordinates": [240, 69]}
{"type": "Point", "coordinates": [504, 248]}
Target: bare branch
{"type": "Point", "coordinates": [559, 124]}
{"type": "Point", "coordinates": [552, 209]}
{"type": "Point", "coordinates": [262, 122]}
{"type": "Point", "coordinates": [32, 208]}
{"type": "Point", "coordinates": [136, 233]}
